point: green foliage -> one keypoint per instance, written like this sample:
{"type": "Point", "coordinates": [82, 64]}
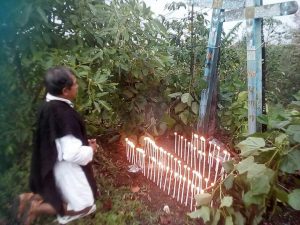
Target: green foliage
{"type": "Point", "coordinates": [257, 182]}
{"type": "Point", "coordinates": [12, 182]}
{"type": "Point", "coordinates": [233, 108]}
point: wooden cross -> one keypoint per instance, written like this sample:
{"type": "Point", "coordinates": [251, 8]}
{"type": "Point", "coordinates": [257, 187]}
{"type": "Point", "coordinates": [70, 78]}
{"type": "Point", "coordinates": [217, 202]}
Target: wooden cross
{"type": "Point", "coordinates": [253, 12]}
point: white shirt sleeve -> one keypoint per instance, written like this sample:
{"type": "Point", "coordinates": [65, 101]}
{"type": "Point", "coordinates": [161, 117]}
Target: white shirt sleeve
{"type": "Point", "coordinates": [70, 148]}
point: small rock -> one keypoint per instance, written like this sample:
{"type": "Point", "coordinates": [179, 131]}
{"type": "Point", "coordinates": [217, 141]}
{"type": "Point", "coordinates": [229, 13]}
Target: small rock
{"type": "Point", "coordinates": [166, 209]}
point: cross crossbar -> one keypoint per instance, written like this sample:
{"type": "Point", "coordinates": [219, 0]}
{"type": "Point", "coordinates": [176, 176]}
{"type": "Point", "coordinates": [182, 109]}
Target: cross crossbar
{"type": "Point", "coordinates": [217, 4]}
{"type": "Point", "coordinates": [278, 9]}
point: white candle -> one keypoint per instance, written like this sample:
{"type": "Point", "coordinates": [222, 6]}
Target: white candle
{"type": "Point", "coordinates": [203, 143]}
{"type": "Point", "coordinates": [193, 177]}
{"type": "Point", "coordinates": [158, 172]}
{"type": "Point", "coordinates": [167, 171]}
{"type": "Point", "coordinates": [171, 173]}
{"type": "Point", "coordinates": [154, 167]}
{"type": "Point", "coordinates": [188, 171]}
{"type": "Point", "coordinates": [199, 161]}
{"type": "Point", "coordinates": [175, 140]}
{"type": "Point", "coordinates": [192, 196]}
{"type": "Point", "coordinates": [192, 141]}
{"type": "Point", "coordinates": [206, 182]}
{"type": "Point", "coordinates": [181, 143]}
{"type": "Point", "coordinates": [187, 192]}
{"type": "Point", "coordinates": [184, 152]}
{"type": "Point", "coordinates": [180, 178]}
{"type": "Point", "coordinates": [179, 167]}
{"type": "Point", "coordinates": [210, 165]}
{"type": "Point", "coordinates": [204, 162]}
{"type": "Point", "coordinates": [214, 154]}
{"type": "Point", "coordinates": [188, 153]}
{"type": "Point", "coordinates": [195, 153]}
{"type": "Point", "coordinates": [126, 140]}
{"type": "Point", "coordinates": [197, 143]}
{"type": "Point", "coordinates": [200, 181]}
{"type": "Point", "coordinates": [191, 149]}
{"type": "Point", "coordinates": [228, 156]}
{"type": "Point", "coordinates": [178, 145]}
{"type": "Point", "coordinates": [217, 169]}
{"type": "Point", "coordinates": [148, 170]}
{"type": "Point", "coordinates": [183, 185]}
{"type": "Point", "coordinates": [161, 172]}
{"type": "Point", "coordinates": [175, 181]}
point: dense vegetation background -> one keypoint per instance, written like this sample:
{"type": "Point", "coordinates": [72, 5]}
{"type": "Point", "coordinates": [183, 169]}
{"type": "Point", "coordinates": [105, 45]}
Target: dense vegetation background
{"type": "Point", "coordinates": [139, 74]}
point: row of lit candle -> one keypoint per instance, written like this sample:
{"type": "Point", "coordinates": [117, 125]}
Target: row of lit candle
{"type": "Point", "coordinates": [168, 171]}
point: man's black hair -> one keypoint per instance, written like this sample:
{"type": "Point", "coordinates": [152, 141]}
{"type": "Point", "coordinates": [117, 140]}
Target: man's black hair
{"type": "Point", "coordinates": [58, 78]}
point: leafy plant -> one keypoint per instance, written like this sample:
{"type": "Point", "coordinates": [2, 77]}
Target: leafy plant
{"type": "Point", "coordinates": [257, 182]}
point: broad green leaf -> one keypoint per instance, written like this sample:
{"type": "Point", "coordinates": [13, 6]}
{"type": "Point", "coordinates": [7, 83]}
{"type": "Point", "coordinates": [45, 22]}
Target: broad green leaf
{"type": "Point", "coordinates": [203, 199]}
{"type": "Point", "coordinates": [275, 124]}
{"type": "Point", "coordinates": [297, 96]}
{"type": "Point", "coordinates": [174, 95]}
{"type": "Point", "coordinates": [290, 162]}
{"type": "Point", "coordinates": [195, 108]}
{"type": "Point", "coordinates": [267, 149]}
{"type": "Point", "coordinates": [187, 98]}
{"type": "Point", "coordinates": [250, 145]}
{"type": "Point", "coordinates": [281, 194]}
{"type": "Point", "coordinates": [263, 119]}
{"type": "Point", "coordinates": [260, 170]}
{"type": "Point", "coordinates": [97, 106]}
{"type": "Point", "coordinates": [105, 105]}
{"type": "Point", "coordinates": [239, 219]}
{"type": "Point", "coordinates": [216, 217]}
{"type": "Point", "coordinates": [296, 137]}
{"type": "Point", "coordinates": [228, 182]}
{"type": "Point", "coordinates": [281, 138]}
{"type": "Point", "coordinates": [294, 199]}
{"type": "Point", "coordinates": [295, 103]}
{"type": "Point", "coordinates": [228, 220]}
{"type": "Point", "coordinates": [203, 212]}
{"type": "Point", "coordinates": [249, 198]}
{"type": "Point", "coordinates": [226, 201]}
{"type": "Point", "coordinates": [168, 120]}
{"type": "Point", "coordinates": [294, 130]}
{"type": "Point", "coordinates": [260, 185]}
{"type": "Point", "coordinates": [93, 9]}
{"type": "Point", "coordinates": [184, 116]}
{"type": "Point", "coordinates": [228, 166]}
{"type": "Point", "coordinates": [98, 55]}
{"type": "Point", "coordinates": [180, 107]}
{"type": "Point", "coordinates": [244, 165]}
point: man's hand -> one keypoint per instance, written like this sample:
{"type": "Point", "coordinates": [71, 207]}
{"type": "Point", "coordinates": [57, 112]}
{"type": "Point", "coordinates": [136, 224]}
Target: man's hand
{"type": "Point", "coordinates": [93, 144]}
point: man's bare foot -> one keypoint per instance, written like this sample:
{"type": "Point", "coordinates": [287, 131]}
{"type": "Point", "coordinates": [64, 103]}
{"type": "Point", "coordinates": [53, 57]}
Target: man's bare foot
{"type": "Point", "coordinates": [24, 198]}
{"type": "Point", "coordinates": [31, 213]}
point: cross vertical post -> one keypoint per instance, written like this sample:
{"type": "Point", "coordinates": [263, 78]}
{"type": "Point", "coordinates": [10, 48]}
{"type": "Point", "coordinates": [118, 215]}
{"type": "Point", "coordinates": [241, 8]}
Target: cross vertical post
{"type": "Point", "coordinates": [208, 103]}
{"type": "Point", "coordinates": [254, 65]}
